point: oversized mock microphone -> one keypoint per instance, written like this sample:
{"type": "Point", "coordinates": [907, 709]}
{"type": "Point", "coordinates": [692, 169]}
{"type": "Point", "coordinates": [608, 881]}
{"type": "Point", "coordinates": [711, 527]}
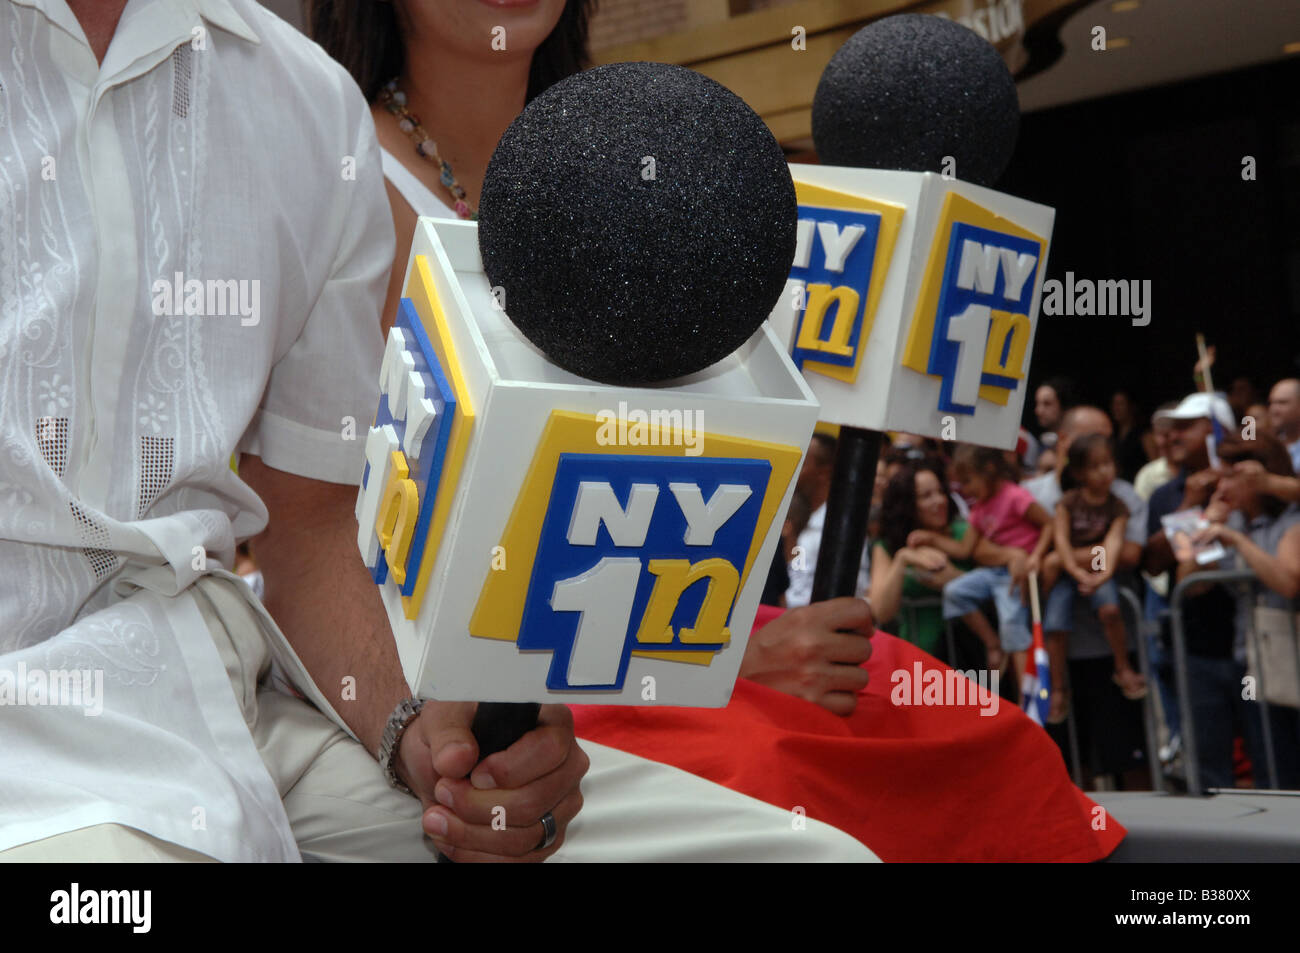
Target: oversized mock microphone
{"type": "Point", "coordinates": [910, 90]}
{"type": "Point", "coordinates": [914, 293]}
{"type": "Point", "coordinates": [588, 434]}
{"type": "Point", "coordinates": [602, 221]}
{"type": "Point", "coordinates": [640, 220]}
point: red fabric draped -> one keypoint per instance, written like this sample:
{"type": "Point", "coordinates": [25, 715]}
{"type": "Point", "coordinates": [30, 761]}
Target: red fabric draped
{"type": "Point", "coordinates": [913, 783]}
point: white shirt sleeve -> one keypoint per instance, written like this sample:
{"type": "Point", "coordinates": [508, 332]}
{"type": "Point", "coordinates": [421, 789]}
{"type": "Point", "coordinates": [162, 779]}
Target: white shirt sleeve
{"type": "Point", "coordinates": [804, 566]}
{"type": "Point", "coordinates": [322, 394]}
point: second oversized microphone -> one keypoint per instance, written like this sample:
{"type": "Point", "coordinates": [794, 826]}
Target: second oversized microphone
{"type": "Point", "coordinates": [913, 300]}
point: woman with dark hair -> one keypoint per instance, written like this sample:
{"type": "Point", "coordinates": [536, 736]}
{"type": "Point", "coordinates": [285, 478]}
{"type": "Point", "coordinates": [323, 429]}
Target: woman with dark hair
{"type": "Point", "coordinates": [445, 79]}
{"type": "Point", "coordinates": [923, 544]}
{"type": "Point", "coordinates": [1265, 533]}
{"type": "Point", "coordinates": [368, 37]}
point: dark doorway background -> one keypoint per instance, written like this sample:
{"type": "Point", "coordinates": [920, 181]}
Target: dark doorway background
{"type": "Point", "coordinates": [1148, 185]}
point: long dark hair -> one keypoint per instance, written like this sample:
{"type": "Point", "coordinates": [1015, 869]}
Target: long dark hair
{"type": "Point", "coordinates": [898, 502]}
{"type": "Point", "coordinates": [365, 36]}
{"type": "Point", "coordinates": [1076, 461]}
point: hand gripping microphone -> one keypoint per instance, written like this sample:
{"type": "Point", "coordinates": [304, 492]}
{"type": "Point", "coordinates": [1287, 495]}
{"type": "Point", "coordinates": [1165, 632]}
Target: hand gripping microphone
{"type": "Point", "coordinates": [588, 435]}
{"type": "Point", "coordinates": [914, 294]}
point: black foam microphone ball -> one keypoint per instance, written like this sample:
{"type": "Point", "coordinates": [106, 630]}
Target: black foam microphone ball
{"type": "Point", "coordinates": [906, 91]}
{"type": "Point", "coordinates": [640, 220]}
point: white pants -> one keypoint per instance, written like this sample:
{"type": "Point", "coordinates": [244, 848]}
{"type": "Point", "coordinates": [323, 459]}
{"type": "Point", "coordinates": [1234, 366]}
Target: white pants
{"type": "Point", "coordinates": [341, 808]}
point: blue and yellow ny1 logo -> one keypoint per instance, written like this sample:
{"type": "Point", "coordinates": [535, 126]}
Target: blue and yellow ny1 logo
{"type": "Point", "coordinates": [610, 555]}
{"type": "Point", "coordinates": [416, 447]}
{"type": "Point", "coordinates": [972, 327]}
{"type": "Point", "coordinates": [841, 258]}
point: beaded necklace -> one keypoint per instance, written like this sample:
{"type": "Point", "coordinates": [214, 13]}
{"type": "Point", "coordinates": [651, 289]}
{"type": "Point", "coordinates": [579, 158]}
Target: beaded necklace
{"type": "Point", "coordinates": [394, 101]}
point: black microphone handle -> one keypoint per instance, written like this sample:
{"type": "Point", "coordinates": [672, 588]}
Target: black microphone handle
{"type": "Point", "coordinates": [848, 506]}
{"type": "Point", "coordinates": [498, 725]}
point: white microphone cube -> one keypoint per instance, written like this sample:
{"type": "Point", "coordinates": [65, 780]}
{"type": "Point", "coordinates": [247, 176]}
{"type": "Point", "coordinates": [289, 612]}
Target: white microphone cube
{"type": "Point", "coordinates": [913, 301]}
{"type": "Point", "coordinates": [540, 537]}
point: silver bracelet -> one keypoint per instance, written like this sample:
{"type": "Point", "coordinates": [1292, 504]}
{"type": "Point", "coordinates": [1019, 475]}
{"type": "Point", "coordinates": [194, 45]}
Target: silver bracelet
{"type": "Point", "coordinates": [406, 712]}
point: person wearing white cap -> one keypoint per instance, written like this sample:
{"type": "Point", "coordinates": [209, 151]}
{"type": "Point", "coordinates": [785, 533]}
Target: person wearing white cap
{"type": "Point", "coordinates": [1209, 617]}
{"type": "Point", "coordinates": [1193, 421]}
{"type": "Point", "coordinates": [1202, 406]}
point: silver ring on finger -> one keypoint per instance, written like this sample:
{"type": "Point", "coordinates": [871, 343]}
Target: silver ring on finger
{"type": "Point", "coordinates": [550, 830]}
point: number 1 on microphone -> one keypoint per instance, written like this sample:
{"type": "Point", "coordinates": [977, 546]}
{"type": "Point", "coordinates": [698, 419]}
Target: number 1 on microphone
{"type": "Point", "coordinates": [969, 331]}
{"type": "Point", "coordinates": [603, 596]}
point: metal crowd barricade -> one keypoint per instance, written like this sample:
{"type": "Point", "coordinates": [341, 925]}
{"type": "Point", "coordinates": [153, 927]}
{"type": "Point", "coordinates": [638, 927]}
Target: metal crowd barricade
{"type": "Point", "coordinates": [1267, 726]}
{"type": "Point", "coordinates": [908, 608]}
{"type": "Point", "coordinates": [1072, 733]}
{"type": "Point", "coordinates": [1129, 598]}
{"type": "Point", "coordinates": [1191, 756]}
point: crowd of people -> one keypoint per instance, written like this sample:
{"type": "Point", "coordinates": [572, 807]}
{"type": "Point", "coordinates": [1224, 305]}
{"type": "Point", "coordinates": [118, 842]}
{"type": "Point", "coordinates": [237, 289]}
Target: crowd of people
{"type": "Point", "coordinates": [958, 533]}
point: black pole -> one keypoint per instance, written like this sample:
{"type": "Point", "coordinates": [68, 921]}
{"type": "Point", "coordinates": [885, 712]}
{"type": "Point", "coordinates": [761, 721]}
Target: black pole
{"type": "Point", "coordinates": [498, 725]}
{"type": "Point", "coordinates": [848, 506]}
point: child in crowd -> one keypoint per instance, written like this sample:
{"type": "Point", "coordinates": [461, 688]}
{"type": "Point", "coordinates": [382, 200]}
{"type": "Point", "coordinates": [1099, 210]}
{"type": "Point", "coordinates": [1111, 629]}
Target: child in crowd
{"type": "Point", "coordinates": [1089, 532]}
{"type": "Point", "coordinates": [1014, 533]}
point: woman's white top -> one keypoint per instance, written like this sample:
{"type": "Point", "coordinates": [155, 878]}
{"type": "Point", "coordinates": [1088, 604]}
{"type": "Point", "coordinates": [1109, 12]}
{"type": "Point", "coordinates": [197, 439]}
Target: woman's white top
{"type": "Point", "coordinates": [417, 194]}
